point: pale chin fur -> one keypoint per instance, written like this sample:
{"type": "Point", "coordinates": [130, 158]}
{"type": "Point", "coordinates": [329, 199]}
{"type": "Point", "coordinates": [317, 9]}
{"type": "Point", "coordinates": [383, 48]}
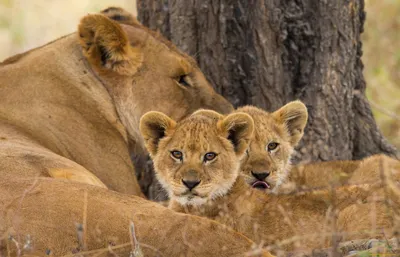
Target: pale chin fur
{"type": "Point", "coordinates": [282, 176]}
{"type": "Point", "coordinates": [223, 189]}
{"type": "Point", "coordinates": [220, 192]}
{"type": "Point", "coordinates": [195, 201]}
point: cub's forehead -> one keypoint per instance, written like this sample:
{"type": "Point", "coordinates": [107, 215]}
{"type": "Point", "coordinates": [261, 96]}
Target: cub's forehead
{"type": "Point", "coordinates": [195, 133]}
{"type": "Point", "coordinates": [198, 123]}
{"type": "Point", "coordinates": [266, 127]}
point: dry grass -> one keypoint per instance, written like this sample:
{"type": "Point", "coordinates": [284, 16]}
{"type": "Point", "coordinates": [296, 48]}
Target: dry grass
{"type": "Point", "coordinates": [26, 24]}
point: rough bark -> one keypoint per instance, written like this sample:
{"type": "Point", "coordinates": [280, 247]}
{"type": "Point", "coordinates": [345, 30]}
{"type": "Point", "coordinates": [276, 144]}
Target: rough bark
{"type": "Point", "coordinates": [269, 52]}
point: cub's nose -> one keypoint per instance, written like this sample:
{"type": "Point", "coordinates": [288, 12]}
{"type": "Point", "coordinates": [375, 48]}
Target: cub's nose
{"type": "Point", "coordinates": [190, 183]}
{"type": "Point", "coordinates": [261, 175]}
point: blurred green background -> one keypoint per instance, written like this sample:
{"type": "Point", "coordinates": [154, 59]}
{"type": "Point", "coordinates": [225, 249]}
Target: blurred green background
{"type": "Point", "coordinates": [381, 45]}
{"type": "Point", "coordinates": [29, 23]}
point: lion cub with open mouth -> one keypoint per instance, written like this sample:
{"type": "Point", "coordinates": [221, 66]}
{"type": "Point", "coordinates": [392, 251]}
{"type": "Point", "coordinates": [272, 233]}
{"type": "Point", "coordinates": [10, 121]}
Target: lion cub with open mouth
{"type": "Point", "coordinates": [198, 162]}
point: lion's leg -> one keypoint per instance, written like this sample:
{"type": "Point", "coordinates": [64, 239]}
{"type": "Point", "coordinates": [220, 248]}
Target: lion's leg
{"type": "Point", "coordinates": [61, 217]}
{"type": "Point", "coordinates": [20, 156]}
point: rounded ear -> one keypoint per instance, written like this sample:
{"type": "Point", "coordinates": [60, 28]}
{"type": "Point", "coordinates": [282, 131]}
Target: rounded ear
{"type": "Point", "coordinates": [208, 113]}
{"type": "Point", "coordinates": [120, 15]}
{"type": "Point", "coordinates": [294, 116]}
{"type": "Point", "coordinates": [106, 45]}
{"type": "Point", "coordinates": [237, 128]}
{"type": "Point", "coordinates": [153, 127]}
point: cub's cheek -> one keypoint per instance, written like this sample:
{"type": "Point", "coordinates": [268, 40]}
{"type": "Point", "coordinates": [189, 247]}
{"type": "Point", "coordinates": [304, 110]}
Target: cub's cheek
{"type": "Point", "coordinates": [273, 177]}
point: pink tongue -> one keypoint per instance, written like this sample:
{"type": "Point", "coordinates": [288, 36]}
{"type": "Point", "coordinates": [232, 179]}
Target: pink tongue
{"type": "Point", "coordinates": [260, 184]}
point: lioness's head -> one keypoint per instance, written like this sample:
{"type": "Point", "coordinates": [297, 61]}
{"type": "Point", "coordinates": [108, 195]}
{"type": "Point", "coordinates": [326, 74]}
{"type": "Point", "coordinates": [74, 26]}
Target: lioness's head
{"type": "Point", "coordinates": [275, 136]}
{"type": "Point", "coordinates": [143, 71]}
{"type": "Point", "coordinates": [198, 158]}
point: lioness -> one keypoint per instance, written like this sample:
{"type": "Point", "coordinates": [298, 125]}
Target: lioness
{"type": "Point", "coordinates": [198, 161]}
{"type": "Point", "coordinates": [68, 109]}
{"type": "Point", "coordinates": [266, 165]}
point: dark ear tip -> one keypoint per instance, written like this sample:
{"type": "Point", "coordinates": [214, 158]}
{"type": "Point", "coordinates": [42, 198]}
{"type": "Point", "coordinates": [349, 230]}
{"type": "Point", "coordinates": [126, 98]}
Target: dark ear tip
{"type": "Point", "coordinates": [110, 9]}
{"type": "Point", "coordinates": [120, 15]}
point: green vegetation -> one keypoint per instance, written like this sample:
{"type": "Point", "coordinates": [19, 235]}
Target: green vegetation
{"type": "Point", "coordinates": [381, 41]}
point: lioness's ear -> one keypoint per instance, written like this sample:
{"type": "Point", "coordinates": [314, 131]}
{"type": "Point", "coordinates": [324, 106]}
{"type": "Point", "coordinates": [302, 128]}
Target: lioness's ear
{"type": "Point", "coordinates": [294, 115]}
{"type": "Point", "coordinates": [208, 113]}
{"type": "Point", "coordinates": [238, 128]}
{"type": "Point", "coordinates": [106, 45]}
{"type": "Point", "coordinates": [120, 15]}
{"type": "Point", "coordinates": [154, 126]}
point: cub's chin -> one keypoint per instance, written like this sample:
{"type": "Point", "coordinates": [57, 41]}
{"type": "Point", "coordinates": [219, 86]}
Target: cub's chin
{"type": "Point", "coordinates": [190, 200]}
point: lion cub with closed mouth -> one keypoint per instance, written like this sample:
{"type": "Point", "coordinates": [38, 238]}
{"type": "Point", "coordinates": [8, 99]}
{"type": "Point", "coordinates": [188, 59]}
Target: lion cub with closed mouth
{"type": "Point", "coordinates": [198, 162]}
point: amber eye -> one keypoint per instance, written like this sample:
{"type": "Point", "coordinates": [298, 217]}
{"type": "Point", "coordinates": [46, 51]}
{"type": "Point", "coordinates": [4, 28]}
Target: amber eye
{"type": "Point", "coordinates": [177, 155]}
{"type": "Point", "coordinates": [209, 156]}
{"type": "Point", "coordinates": [183, 80]}
{"type": "Point", "coordinates": [272, 146]}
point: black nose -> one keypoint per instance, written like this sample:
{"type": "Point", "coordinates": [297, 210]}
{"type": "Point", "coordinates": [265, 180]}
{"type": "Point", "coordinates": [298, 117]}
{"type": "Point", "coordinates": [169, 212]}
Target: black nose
{"type": "Point", "coordinates": [190, 183]}
{"type": "Point", "coordinates": [260, 176]}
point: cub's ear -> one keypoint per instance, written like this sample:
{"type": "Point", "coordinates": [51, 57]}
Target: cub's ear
{"type": "Point", "coordinates": [106, 45]}
{"type": "Point", "coordinates": [153, 127]}
{"type": "Point", "coordinates": [238, 128]}
{"type": "Point", "coordinates": [294, 115]}
{"type": "Point", "coordinates": [208, 113]}
{"type": "Point", "coordinates": [120, 15]}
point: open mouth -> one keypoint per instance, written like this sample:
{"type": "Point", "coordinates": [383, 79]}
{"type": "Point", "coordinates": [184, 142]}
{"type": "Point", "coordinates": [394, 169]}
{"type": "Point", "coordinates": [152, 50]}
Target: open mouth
{"type": "Point", "coordinates": [260, 185]}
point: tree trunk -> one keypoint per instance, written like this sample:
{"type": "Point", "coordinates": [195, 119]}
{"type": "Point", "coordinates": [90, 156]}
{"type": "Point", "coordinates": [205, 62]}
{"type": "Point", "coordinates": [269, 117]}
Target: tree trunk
{"type": "Point", "coordinates": [269, 52]}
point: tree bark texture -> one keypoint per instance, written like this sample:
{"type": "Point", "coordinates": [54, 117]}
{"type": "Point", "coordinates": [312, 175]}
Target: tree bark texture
{"type": "Point", "coordinates": [269, 52]}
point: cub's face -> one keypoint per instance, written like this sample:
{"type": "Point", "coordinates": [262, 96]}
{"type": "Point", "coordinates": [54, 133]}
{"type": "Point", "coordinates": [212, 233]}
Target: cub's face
{"type": "Point", "coordinates": [267, 161]}
{"type": "Point", "coordinates": [198, 158]}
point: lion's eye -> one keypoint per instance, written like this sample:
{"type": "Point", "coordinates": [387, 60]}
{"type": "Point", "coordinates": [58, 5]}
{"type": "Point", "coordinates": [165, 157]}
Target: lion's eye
{"type": "Point", "coordinates": [272, 146]}
{"type": "Point", "coordinates": [177, 155]}
{"type": "Point", "coordinates": [183, 80]}
{"type": "Point", "coordinates": [209, 156]}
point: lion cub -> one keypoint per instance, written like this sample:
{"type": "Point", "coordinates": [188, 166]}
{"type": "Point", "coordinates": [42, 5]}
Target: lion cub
{"type": "Point", "coordinates": [267, 163]}
{"type": "Point", "coordinates": [198, 162]}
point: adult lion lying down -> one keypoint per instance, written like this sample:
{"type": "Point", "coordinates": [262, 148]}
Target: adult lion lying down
{"type": "Point", "coordinates": [68, 110]}
{"type": "Point", "coordinates": [198, 162]}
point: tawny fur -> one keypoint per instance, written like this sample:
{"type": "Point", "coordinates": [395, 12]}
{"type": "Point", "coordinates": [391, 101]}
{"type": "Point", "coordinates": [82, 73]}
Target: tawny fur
{"type": "Point", "coordinates": [69, 111]}
{"type": "Point", "coordinates": [284, 127]}
{"type": "Point", "coordinates": [309, 219]}
{"type": "Point", "coordinates": [48, 210]}
{"type": "Point", "coordinates": [285, 178]}
{"type": "Point", "coordinates": [82, 99]}
{"type": "Point", "coordinates": [367, 170]}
